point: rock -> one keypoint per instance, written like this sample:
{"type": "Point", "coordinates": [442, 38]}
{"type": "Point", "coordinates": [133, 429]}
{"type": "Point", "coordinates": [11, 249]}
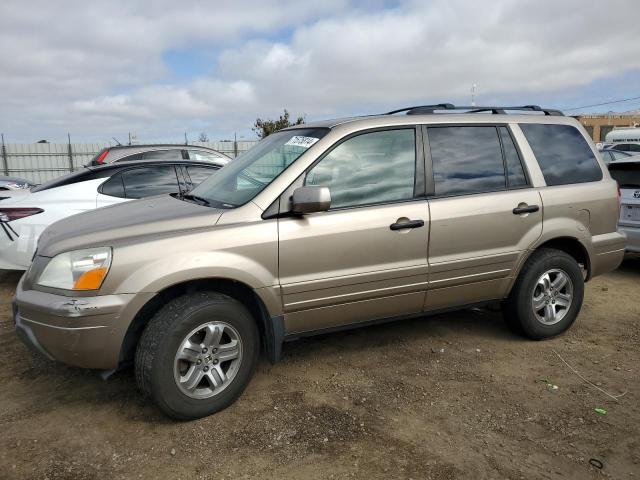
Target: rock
{"type": "Point", "coordinates": [173, 452]}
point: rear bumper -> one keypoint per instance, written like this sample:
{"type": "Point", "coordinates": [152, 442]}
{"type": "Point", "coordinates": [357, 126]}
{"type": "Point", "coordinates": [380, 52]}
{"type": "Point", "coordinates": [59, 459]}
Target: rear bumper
{"type": "Point", "coordinates": [633, 238]}
{"type": "Point", "coordinates": [608, 252]}
{"type": "Point", "coordinates": [82, 331]}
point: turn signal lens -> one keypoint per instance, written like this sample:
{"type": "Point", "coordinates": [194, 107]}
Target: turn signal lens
{"type": "Point", "coordinates": [90, 280]}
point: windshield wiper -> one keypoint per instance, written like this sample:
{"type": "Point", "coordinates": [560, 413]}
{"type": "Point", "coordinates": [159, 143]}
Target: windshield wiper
{"type": "Point", "coordinates": [196, 199]}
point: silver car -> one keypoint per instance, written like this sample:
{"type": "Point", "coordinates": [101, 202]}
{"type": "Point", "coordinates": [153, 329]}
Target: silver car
{"type": "Point", "coordinates": [627, 174]}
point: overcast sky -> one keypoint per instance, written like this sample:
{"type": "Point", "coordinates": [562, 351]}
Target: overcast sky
{"type": "Point", "coordinates": [160, 68]}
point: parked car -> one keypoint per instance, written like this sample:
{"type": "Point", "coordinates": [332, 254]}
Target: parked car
{"type": "Point", "coordinates": [24, 217]}
{"type": "Point", "coordinates": [610, 155]}
{"type": "Point", "coordinates": [627, 174]}
{"type": "Point", "coordinates": [327, 226]}
{"type": "Point", "coordinates": [127, 153]}
{"type": "Point", "coordinates": [625, 147]}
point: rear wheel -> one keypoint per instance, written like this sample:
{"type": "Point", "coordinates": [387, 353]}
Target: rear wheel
{"type": "Point", "coordinates": [547, 296]}
{"type": "Point", "coordinates": [197, 354]}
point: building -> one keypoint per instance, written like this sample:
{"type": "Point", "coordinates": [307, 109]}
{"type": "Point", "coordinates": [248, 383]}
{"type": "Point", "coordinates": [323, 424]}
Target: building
{"type": "Point", "coordinates": [599, 124]}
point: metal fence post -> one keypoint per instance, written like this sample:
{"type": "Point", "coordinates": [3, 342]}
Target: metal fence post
{"type": "Point", "coordinates": [70, 153]}
{"type": "Point", "coordinates": [235, 145]}
{"type": "Point", "coordinates": [5, 161]}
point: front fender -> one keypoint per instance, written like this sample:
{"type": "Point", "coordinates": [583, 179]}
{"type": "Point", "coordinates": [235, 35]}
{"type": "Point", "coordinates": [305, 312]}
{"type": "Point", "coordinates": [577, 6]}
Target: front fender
{"type": "Point", "coordinates": [167, 271]}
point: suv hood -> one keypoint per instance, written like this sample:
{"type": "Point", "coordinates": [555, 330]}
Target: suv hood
{"type": "Point", "coordinates": [125, 223]}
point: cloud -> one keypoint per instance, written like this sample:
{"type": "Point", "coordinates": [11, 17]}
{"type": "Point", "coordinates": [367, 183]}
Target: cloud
{"type": "Point", "coordinates": [97, 69]}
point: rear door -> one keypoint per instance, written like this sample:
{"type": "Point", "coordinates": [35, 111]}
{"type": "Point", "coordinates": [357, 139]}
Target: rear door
{"type": "Point", "coordinates": [484, 213]}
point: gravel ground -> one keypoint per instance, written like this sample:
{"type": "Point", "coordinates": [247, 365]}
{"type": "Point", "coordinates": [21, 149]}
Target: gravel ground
{"type": "Point", "coordinates": [444, 397]}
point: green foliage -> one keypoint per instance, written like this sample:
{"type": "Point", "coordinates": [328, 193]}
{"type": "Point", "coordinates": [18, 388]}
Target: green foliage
{"type": "Point", "coordinates": [264, 128]}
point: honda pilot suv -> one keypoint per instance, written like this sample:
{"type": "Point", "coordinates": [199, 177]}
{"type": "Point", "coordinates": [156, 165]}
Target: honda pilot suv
{"type": "Point", "coordinates": [326, 226]}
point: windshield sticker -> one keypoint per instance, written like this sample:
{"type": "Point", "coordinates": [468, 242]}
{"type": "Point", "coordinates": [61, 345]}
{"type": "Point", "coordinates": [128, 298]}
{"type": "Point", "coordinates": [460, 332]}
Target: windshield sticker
{"type": "Point", "coordinates": [300, 141]}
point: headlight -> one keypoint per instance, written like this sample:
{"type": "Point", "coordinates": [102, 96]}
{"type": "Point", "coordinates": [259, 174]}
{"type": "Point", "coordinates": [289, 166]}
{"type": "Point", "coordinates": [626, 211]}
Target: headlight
{"type": "Point", "coordinates": [77, 270]}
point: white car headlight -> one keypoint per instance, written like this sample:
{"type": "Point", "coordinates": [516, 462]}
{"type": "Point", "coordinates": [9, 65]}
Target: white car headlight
{"type": "Point", "coordinates": [77, 270]}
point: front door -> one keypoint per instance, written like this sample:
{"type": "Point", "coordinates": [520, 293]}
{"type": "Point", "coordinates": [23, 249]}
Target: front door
{"type": "Point", "coordinates": [365, 258]}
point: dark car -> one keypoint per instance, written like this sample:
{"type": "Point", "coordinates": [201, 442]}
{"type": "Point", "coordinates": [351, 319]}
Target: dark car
{"type": "Point", "coordinates": [127, 153]}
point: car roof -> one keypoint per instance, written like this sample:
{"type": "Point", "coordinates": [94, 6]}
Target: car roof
{"type": "Point", "coordinates": [134, 163]}
{"type": "Point", "coordinates": [164, 146]}
{"type": "Point", "coordinates": [373, 121]}
{"type": "Point", "coordinates": [122, 150]}
{"type": "Point", "coordinates": [447, 113]}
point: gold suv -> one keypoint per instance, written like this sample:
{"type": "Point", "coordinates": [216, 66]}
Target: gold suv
{"type": "Point", "coordinates": [326, 226]}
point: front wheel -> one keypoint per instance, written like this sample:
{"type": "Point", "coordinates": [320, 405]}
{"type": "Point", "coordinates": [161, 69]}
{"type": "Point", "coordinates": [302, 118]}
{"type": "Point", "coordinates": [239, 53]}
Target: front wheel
{"type": "Point", "coordinates": [197, 354]}
{"type": "Point", "coordinates": [547, 296]}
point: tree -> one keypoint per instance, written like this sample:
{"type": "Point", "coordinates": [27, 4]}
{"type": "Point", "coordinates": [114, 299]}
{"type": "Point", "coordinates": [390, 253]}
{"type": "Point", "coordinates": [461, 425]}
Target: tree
{"type": "Point", "coordinates": [203, 137]}
{"type": "Point", "coordinates": [264, 128]}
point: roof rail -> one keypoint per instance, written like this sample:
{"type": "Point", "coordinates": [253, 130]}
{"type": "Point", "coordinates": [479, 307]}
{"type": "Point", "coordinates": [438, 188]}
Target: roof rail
{"type": "Point", "coordinates": [429, 109]}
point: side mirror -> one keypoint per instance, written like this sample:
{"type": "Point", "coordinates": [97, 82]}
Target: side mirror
{"type": "Point", "coordinates": [311, 199]}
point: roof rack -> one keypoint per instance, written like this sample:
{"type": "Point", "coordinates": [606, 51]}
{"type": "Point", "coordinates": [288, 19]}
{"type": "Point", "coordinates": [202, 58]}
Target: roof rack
{"type": "Point", "coordinates": [429, 109]}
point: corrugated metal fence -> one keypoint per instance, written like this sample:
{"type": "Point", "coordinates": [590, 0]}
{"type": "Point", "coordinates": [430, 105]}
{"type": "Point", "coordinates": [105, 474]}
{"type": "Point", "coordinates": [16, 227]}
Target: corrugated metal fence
{"type": "Point", "coordinates": [40, 162]}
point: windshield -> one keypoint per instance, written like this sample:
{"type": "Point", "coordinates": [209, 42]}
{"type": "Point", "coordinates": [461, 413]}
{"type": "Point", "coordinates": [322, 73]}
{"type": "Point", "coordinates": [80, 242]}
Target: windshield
{"type": "Point", "coordinates": [626, 174]}
{"type": "Point", "coordinates": [242, 179]}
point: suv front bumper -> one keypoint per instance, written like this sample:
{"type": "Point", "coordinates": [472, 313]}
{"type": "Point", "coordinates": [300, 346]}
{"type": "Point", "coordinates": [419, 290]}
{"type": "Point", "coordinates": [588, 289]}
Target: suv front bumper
{"type": "Point", "coordinates": [82, 331]}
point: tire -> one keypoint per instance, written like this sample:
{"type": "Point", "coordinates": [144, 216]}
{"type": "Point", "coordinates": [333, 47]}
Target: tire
{"type": "Point", "coordinates": [532, 290]}
{"type": "Point", "coordinates": [160, 373]}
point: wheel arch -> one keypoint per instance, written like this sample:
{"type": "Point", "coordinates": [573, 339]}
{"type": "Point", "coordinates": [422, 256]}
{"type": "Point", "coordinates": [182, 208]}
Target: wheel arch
{"type": "Point", "coordinates": [570, 245]}
{"type": "Point", "coordinates": [271, 328]}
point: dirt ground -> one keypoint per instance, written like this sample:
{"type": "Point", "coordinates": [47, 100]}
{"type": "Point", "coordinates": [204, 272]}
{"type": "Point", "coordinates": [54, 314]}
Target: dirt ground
{"type": "Point", "coordinates": [444, 397]}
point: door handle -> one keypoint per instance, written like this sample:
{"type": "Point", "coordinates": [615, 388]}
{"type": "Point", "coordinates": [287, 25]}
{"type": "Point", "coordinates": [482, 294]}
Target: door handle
{"type": "Point", "coordinates": [409, 224]}
{"type": "Point", "coordinates": [527, 209]}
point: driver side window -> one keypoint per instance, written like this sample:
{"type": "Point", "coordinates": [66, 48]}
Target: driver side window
{"type": "Point", "coordinates": [376, 167]}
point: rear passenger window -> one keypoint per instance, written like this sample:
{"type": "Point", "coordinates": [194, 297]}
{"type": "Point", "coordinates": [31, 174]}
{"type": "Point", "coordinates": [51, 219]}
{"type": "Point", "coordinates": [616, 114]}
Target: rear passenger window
{"type": "Point", "coordinates": [163, 155]}
{"type": "Point", "coordinates": [563, 154]}
{"type": "Point", "coordinates": [146, 181]}
{"type": "Point", "coordinates": [515, 173]}
{"type": "Point", "coordinates": [202, 156]}
{"type": "Point", "coordinates": [466, 160]}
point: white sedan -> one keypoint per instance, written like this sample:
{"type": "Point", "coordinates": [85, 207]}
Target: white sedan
{"type": "Point", "coordinates": [24, 216]}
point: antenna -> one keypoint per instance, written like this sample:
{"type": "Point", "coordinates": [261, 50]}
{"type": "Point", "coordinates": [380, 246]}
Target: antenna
{"type": "Point", "coordinates": [117, 141]}
{"type": "Point", "coordinates": [473, 94]}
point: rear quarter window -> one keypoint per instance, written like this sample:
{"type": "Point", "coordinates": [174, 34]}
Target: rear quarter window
{"type": "Point", "coordinates": [563, 154]}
